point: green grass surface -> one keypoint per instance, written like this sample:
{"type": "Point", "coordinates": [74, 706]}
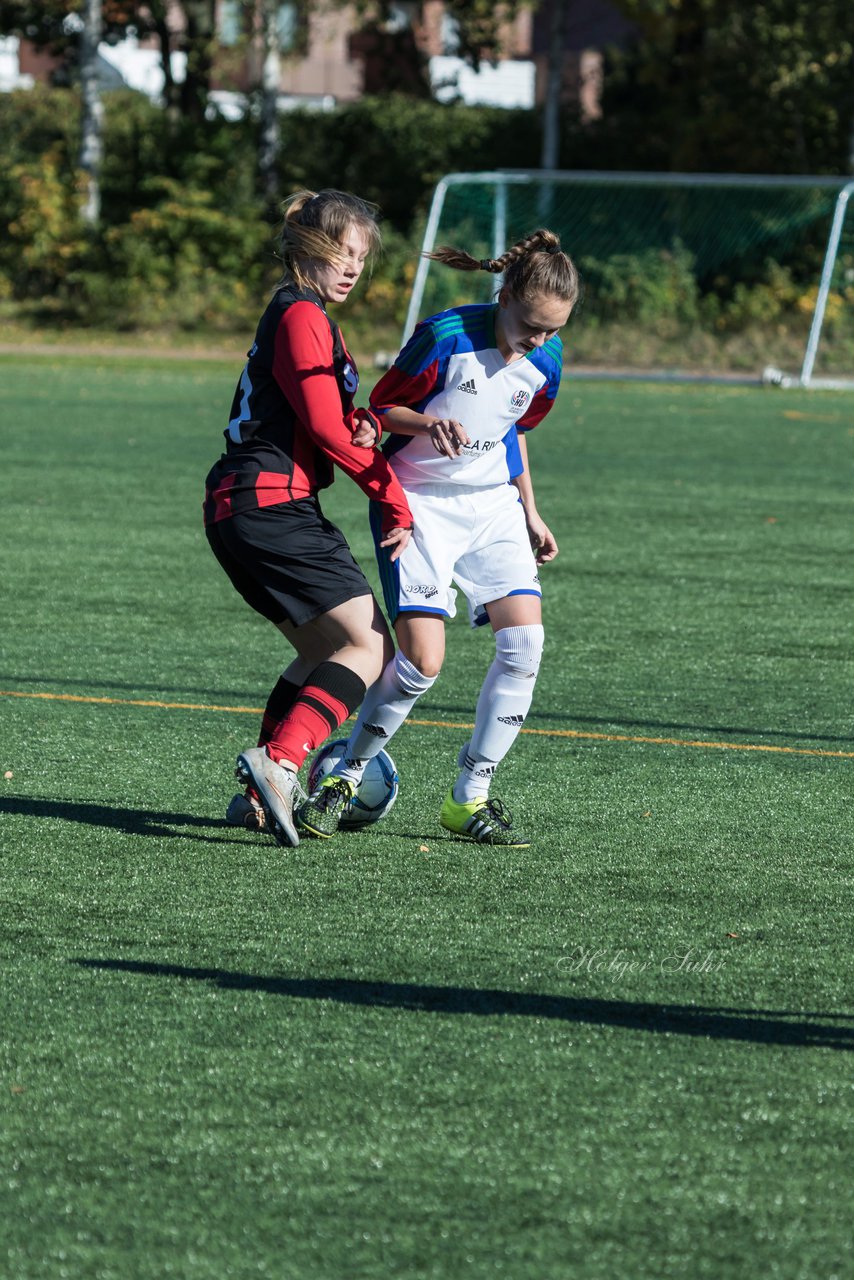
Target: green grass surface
{"type": "Point", "coordinates": [618, 1054]}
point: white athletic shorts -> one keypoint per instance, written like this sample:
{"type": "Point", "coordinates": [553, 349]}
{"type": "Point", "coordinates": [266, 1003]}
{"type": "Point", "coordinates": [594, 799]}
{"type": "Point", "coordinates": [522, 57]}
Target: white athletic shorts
{"type": "Point", "coordinates": [474, 537]}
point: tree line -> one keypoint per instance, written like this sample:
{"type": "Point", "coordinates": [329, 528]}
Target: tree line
{"type": "Point", "coordinates": [762, 86]}
{"type": "Point", "coordinates": [179, 226]}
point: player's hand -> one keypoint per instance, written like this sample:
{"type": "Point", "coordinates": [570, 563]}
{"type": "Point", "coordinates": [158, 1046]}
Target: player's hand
{"type": "Point", "coordinates": [543, 542]}
{"type": "Point", "coordinates": [366, 431]}
{"type": "Point", "coordinates": [399, 539]}
{"type": "Point", "coordinates": [448, 437]}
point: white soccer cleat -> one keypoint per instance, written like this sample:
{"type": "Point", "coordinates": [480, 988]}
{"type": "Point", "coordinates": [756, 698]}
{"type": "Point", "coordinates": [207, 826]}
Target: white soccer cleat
{"type": "Point", "coordinates": [277, 787]}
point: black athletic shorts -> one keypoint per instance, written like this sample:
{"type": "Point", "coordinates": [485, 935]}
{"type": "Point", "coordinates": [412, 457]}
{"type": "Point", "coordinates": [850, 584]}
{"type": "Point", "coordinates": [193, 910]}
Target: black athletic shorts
{"type": "Point", "coordinates": [288, 561]}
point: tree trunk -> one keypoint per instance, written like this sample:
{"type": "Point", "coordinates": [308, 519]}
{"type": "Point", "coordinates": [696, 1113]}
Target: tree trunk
{"type": "Point", "coordinates": [270, 140]}
{"type": "Point", "coordinates": [92, 115]}
{"type": "Point", "coordinates": [200, 41]}
{"type": "Point", "coordinates": [160, 27]}
{"type": "Point", "coordinates": [554, 84]}
{"type": "Point", "coordinates": [550, 155]}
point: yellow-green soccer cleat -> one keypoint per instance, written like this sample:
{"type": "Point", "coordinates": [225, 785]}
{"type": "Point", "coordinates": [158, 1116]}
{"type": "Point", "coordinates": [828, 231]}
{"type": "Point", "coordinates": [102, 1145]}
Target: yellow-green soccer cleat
{"type": "Point", "coordinates": [485, 821]}
{"type": "Point", "coordinates": [322, 812]}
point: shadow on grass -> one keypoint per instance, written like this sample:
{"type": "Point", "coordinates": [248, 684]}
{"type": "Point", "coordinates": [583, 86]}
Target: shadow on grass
{"type": "Point", "coordinates": [135, 822]}
{"type": "Point", "coordinates": [757, 1025]}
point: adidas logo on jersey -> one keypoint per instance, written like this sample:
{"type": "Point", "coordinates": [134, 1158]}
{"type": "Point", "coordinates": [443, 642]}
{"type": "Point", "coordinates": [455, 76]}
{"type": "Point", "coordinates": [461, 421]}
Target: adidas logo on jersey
{"type": "Point", "coordinates": [468, 386]}
{"type": "Point", "coordinates": [514, 720]}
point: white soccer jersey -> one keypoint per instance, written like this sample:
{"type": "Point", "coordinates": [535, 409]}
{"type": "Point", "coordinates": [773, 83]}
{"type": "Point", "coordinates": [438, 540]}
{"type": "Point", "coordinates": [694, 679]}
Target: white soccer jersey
{"type": "Point", "coordinates": [452, 368]}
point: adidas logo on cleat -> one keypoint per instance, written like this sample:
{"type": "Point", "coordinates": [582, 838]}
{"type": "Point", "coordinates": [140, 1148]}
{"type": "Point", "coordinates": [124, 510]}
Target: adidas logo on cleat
{"type": "Point", "coordinates": [468, 386]}
{"type": "Point", "coordinates": [514, 720]}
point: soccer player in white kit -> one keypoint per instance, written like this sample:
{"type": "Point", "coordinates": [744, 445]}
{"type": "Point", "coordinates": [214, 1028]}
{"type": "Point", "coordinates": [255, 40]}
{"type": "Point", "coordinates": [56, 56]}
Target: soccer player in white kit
{"type": "Point", "coordinates": [456, 404]}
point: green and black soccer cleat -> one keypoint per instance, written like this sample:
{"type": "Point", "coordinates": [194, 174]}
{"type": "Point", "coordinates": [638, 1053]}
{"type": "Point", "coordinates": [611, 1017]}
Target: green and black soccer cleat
{"type": "Point", "coordinates": [484, 821]}
{"type": "Point", "coordinates": [321, 814]}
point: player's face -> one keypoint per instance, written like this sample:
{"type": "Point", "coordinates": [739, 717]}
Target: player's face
{"type": "Point", "coordinates": [334, 281]}
{"type": "Point", "coordinates": [522, 325]}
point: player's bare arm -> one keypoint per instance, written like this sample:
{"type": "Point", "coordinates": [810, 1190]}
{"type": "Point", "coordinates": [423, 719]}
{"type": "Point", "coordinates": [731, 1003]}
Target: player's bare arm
{"type": "Point", "coordinates": [543, 541]}
{"type": "Point", "coordinates": [449, 437]}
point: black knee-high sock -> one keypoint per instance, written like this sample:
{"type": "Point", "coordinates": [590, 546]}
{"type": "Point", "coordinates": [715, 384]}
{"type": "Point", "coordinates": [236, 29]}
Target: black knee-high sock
{"type": "Point", "coordinates": [279, 703]}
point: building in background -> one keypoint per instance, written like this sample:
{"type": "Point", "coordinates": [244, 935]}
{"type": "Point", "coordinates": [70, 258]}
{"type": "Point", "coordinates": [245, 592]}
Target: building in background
{"type": "Point", "coordinates": [329, 55]}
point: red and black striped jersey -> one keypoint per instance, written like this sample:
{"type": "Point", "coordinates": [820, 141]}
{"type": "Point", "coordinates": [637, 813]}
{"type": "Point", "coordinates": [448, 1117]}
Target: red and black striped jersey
{"type": "Point", "coordinates": [292, 418]}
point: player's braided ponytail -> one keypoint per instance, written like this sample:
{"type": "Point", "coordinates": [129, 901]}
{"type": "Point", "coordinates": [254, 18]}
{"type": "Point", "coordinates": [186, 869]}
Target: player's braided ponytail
{"type": "Point", "coordinates": [534, 265]}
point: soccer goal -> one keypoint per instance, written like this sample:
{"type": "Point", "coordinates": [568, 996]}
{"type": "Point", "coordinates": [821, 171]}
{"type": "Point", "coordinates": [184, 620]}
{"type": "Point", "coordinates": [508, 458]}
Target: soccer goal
{"type": "Point", "coordinates": [686, 276]}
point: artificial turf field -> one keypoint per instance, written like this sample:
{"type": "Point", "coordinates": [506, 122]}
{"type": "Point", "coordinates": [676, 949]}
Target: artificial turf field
{"type": "Point", "coordinates": [619, 1054]}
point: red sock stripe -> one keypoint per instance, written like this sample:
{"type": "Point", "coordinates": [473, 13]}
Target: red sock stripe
{"type": "Point", "coordinates": [303, 729]}
{"type": "Point", "coordinates": [323, 704]}
{"type": "Point", "coordinates": [323, 700]}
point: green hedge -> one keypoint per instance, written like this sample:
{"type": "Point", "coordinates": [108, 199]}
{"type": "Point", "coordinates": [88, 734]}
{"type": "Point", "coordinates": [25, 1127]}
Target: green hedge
{"type": "Point", "coordinates": [185, 241]}
{"type": "Point", "coordinates": [185, 237]}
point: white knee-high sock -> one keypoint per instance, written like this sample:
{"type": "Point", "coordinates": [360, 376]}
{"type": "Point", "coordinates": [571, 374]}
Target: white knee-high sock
{"type": "Point", "coordinates": [504, 702]}
{"type": "Point", "coordinates": [387, 704]}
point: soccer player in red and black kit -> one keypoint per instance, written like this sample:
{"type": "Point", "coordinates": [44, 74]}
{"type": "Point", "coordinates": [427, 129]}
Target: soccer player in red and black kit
{"type": "Point", "coordinates": [293, 416]}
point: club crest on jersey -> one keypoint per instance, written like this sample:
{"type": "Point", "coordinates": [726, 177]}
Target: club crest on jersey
{"type": "Point", "coordinates": [520, 398]}
{"type": "Point", "coordinates": [350, 378]}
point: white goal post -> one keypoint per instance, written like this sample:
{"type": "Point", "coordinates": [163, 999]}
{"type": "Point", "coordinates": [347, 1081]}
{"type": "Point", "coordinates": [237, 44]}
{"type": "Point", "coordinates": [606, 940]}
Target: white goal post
{"type": "Point", "coordinates": [831, 259]}
{"type": "Point", "coordinates": [724, 255]}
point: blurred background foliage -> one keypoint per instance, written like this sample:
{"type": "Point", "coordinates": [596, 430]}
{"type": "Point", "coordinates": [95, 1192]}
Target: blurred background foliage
{"type": "Point", "coordinates": [186, 235]}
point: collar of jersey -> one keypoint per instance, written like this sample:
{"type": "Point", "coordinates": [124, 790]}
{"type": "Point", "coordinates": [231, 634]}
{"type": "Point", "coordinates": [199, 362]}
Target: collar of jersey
{"type": "Point", "coordinates": [306, 294]}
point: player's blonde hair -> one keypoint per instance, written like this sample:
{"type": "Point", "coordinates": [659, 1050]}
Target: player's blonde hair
{"type": "Point", "coordinates": [535, 265]}
{"type": "Point", "coordinates": [315, 224]}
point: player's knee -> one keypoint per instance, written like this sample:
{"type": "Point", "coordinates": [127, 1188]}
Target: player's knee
{"type": "Point", "coordinates": [429, 668]}
{"type": "Point", "coordinates": [519, 650]}
{"type": "Point", "coordinates": [412, 679]}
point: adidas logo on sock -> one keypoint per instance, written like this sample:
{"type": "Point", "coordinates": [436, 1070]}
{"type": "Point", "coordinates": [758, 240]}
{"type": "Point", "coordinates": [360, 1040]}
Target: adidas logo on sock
{"type": "Point", "coordinates": [514, 720]}
{"type": "Point", "coordinates": [485, 770]}
{"type": "Point", "coordinates": [376, 729]}
{"type": "Point", "coordinates": [468, 386]}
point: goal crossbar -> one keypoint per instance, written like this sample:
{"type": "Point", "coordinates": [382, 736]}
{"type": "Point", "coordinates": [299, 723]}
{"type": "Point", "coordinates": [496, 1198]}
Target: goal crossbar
{"type": "Point", "coordinates": [503, 179]}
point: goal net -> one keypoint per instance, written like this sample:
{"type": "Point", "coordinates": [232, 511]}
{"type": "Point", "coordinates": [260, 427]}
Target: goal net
{"type": "Point", "coordinates": [684, 275]}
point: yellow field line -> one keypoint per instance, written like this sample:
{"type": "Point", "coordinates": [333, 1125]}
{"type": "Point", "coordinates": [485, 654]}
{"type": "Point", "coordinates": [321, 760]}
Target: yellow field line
{"type": "Point", "coordinates": [452, 724]}
{"type": "Point", "coordinates": [128, 702]}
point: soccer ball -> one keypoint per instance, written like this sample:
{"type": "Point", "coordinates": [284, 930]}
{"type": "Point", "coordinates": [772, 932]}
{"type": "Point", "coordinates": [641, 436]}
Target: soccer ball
{"type": "Point", "coordinates": [375, 794]}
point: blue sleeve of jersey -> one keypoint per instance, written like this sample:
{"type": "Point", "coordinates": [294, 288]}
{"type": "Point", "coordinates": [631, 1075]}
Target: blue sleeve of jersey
{"type": "Point", "coordinates": [514, 453]}
{"type": "Point", "coordinates": [421, 351]}
{"type": "Point", "coordinates": [417, 375]}
{"type": "Point", "coordinates": [549, 361]}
